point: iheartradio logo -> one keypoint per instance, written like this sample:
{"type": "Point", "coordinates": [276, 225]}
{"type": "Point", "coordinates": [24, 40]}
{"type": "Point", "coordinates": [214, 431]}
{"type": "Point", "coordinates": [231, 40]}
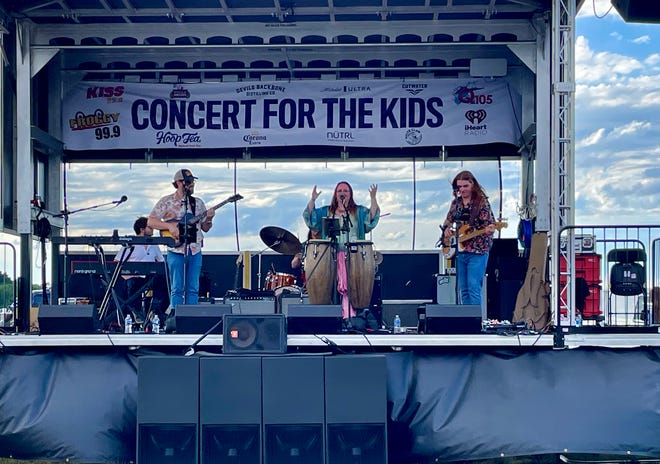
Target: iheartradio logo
{"type": "Point", "coordinates": [475, 117]}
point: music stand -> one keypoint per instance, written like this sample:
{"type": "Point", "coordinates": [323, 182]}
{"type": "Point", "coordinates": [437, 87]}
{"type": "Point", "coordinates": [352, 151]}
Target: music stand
{"type": "Point", "coordinates": [330, 228]}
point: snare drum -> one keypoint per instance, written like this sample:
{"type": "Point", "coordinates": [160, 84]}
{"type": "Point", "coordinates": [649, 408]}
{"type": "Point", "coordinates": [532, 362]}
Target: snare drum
{"type": "Point", "coordinates": [361, 272]}
{"type": "Point", "coordinates": [320, 270]}
{"type": "Point", "coordinates": [279, 279]}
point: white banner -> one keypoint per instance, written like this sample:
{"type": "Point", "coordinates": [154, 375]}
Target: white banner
{"type": "Point", "coordinates": [375, 113]}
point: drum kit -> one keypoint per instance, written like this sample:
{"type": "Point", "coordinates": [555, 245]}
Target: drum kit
{"type": "Point", "coordinates": [319, 261]}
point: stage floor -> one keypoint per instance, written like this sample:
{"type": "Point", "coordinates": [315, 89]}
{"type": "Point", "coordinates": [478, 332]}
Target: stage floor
{"type": "Point", "coordinates": [379, 342]}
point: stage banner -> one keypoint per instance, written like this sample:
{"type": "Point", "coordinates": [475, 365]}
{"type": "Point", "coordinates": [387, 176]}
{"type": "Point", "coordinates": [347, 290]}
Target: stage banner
{"type": "Point", "coordinates": [374, 113]}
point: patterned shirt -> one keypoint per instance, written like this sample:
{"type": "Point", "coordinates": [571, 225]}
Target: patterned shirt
{"type": "Point", "coordinates": [171, 208]}
{"type": "Point", "coordinates": [480, 244]}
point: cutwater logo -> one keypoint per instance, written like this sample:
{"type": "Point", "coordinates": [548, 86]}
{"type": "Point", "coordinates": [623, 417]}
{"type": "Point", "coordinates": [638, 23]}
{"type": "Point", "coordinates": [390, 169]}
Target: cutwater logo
{"type": "Point", "coordinates": [414, 89]}
{"type": "Point", "coordinates": [413, 137]}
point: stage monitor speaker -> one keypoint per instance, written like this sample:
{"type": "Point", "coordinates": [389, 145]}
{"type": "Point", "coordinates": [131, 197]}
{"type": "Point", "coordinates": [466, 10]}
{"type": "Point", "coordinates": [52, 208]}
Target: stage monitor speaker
{"type": "Point", "coordinates": [197, 319]}
{"type": "Point", "coordinates": [230, 409]}
{"type": "Point", "coordinates": [243, 334]}
{"type": "Point", "coordinates": [313, 319]}
{"type": "Point", "coordinates": [68, 319]}
{"type": "Point", "coordinates": [293, 409]}
{"type": "Point", "coordinates": [638, 11]}
{"type": "Point", "coordinates": [356, 409]}
{"type": "Point", "coordinates": [453, 319]}
{"type": "Point", "coordinates": [167, 409]}
{"type": "Point", "coordinates": [260, 305]}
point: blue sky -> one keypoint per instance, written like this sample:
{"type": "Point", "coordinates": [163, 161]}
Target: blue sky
{"type": "Point", "coordinates": [616, 123]}
{"type": "Point", "coordinates": [616, 163]}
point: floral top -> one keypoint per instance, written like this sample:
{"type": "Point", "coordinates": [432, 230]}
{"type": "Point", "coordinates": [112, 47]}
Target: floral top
{"type": "Point", "coordinates": [460, 214]}
{"type": "Point", "coordinates": [170, 208]}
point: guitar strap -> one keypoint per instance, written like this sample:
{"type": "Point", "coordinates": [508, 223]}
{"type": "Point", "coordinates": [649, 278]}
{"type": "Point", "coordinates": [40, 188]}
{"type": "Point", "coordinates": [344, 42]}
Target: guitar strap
{"type": "Point", "coordinates": [192, 204]}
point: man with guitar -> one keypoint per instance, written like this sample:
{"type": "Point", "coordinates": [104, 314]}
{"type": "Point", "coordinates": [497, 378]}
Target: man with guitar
{"type": "Point", "coordinates": [185, 218]}
{"type": "Point", "coordinates": [472, 214]}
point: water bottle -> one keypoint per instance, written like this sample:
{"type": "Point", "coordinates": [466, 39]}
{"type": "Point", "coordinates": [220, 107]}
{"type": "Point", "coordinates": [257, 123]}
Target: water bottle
{"type": "Point", "coordinates": [128, 324]}
{"type": "Point", "coordinates": [155, 324]}
{"type": "Point", "coordinates": [397, 324]}
{"type": "Point", "coordinates": [578, 319]}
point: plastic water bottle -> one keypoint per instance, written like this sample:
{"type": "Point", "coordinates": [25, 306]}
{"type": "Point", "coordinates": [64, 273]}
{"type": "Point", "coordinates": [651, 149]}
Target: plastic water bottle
{"type": "Point", "coordinates": [397, 324]}
{"type": "Point", "coordinates": [128, 324]}
{"type": "Point", "coordinates": [155, 324]}
{"type": "Point", "coordinates": [578, 319]}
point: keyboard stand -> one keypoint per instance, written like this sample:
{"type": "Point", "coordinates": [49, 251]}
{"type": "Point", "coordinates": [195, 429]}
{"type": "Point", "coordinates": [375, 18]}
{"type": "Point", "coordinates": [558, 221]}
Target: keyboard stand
{"type": "Point", "coordinates": [110, 286]}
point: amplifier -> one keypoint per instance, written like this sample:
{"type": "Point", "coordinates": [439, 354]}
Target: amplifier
{"type": "Point", "coordinates": [263, 305]}
{"type": "Point", "coordinates": [290, 299]}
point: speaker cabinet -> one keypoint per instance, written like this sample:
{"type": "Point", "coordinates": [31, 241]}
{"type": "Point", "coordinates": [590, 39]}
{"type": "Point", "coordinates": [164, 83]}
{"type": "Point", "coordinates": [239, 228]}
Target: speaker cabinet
{"type": "Point", "coordinates": [293, 409]}
{"type": "Point", "coordinates": [264, 333]}
{"type": "Point", "coordinates": [230, 409]}
{"type": "Point", "coordinates": [67, 319]}
{"type": "Point", "coordinates": [313, 319]}
{"type": "Point", "coordinates": [197, 319]}
{"type": "Point", "coordinates": [167, 409]}
{"type": "Point", "coordinates": [263, 305]}
{"type": "Point", "coordinates": [638, 11]}
{"type": "Point", "coordinates": [356, 409]}
{"type": "Point", "coordinates": [292, 299]}
{"type": "Point", "coordinates": [453, 319]}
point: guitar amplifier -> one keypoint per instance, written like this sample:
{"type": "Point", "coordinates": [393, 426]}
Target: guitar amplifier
{"type": "Point", "coordinates": [251, 302]}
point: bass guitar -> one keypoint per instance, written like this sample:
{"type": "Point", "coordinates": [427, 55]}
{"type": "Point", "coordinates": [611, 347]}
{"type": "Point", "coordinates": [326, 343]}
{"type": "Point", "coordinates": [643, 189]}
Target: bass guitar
{"type": "Point", "coordinates": [189, 221]}
{"type": "Point", "coordinates": [465, 233]}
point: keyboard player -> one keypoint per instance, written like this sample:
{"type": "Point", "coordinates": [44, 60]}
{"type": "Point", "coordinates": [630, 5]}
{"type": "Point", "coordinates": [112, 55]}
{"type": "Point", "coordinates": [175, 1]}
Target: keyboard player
{"type": "Point", "coordinates": [139, 285]}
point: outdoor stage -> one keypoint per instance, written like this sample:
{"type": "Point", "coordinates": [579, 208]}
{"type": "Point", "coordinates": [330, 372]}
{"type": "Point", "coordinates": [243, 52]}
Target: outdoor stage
{"type": "Point", "coordinates": [449, 397]}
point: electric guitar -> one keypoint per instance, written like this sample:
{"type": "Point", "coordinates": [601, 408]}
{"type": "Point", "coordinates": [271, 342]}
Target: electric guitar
{"type": "Point", "coordinates": [190, 220]}
{"type": "Point", "coordinates": [465, 233]}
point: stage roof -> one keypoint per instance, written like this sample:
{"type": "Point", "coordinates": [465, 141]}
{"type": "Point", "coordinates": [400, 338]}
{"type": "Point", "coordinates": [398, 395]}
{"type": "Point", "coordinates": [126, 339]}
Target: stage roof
{"type": "Point", "coordinates": [237, 40]}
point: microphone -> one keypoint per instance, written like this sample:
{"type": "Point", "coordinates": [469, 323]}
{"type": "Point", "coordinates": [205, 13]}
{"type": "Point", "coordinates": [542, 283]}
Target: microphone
{"type": "Point", "coordinates": [342, 197]}
{"type": "Point", "coordinates": [121, 200]}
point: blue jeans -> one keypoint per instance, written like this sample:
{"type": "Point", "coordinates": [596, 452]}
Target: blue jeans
{"type": "Point", "coordinates": [175, 263]}
{"type": "Point", "coordinates": [470, 271]}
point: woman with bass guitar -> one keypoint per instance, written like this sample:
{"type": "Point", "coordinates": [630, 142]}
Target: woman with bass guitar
{"type": "Point", "coordinates": [472, 214]}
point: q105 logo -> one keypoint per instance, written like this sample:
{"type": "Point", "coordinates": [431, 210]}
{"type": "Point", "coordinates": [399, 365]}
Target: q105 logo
{"type": "Point", "coordinates": [469, 94]}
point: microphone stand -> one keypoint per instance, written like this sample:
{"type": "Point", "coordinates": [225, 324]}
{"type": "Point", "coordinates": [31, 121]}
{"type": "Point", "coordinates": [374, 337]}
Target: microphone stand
{"type": "Point", "coordinates": [191, 349]}
{"type": "Point", "coordinates": [186, 247]}
{"type": "Point", "coordinates": [346, 227]}
{"type": "Point", "coordinates": [65, 213]}
{"type": "Point", "coordinates": [457, 216]}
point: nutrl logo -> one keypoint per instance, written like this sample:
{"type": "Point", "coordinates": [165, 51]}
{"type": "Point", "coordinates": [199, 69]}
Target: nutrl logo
{"type": "Point", "coordinates": [475, 117]}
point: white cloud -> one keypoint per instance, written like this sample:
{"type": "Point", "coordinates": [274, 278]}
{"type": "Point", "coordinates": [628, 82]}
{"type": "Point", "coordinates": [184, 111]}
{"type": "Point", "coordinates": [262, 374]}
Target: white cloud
{"type": "Point", "coordinates": [644, 39]}
{"type": "Point", "coordinates": [592, 138]}
{"type": "Point", "coordinates": [593, 66]}
{"type": "Point", "coordinates": [630, 128]}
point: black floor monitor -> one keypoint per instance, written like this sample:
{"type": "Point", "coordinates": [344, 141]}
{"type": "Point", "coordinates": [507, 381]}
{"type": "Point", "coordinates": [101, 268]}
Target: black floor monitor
{"type": "Point", "coordinates": [313, 319]}
{"type": "Point", "coordinates": [197, 319]}
{"type": "Point", "coordinates": [453, 319]}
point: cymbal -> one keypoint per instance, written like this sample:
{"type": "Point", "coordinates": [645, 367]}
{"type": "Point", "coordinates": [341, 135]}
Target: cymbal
{"type": "Point", "coordinates": [280, 240]}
